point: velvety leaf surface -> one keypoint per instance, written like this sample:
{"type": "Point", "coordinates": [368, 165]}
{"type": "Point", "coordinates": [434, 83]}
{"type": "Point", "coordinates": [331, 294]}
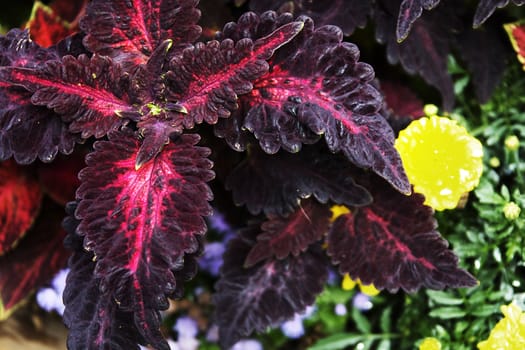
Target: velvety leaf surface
{"type": "Point", "coordinates": [28, 132]}
{"type": "Point", "coordinates": [20, 199]}
{"type": "Point", "coordinates": [316, 83]}
{"type": "Point", "coordinates": [206, 79]}
{"type": "Point", "coordinates": [265, 295]}
{"type": "Point", "coordinates": [274, 184]}
{"type": "Point", "coordinates": [139, 223]}
{"type": "Point", "coordinates": [425, 50]}
{"type": "Point", "coordinates": [409, 12]}
{"type": "Point", "coordinates": [18, 50]}
{"type": "Point", "coordinates": [130, 30]}
{"type": "Point", "coordinates": [89, 93]}
{"type": "Point", "coordinates": [487, 7]}
{"type": "Point", "coordinates": [394, 243]}
{"type": "Point", "coordinates": [36, 259]}
{"type": "Point", "coordinates": [281, 237]}
{"type": "Point", "coordinates": [486, 56]}
{"type": "Point", "coordinates": [46, 25]}
{"type": "Point", "coordinates": [346, 14]}
{"type": "Point", "coordinates": [94, 319]}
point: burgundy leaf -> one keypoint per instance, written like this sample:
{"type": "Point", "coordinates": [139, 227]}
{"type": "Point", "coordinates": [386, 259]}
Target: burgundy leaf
{"type": "Point", "coordinates": [28, 132]}
{"type": "Point", "coordinates": [425, 50]}
{"type": "Point", "coordinates": [346, 14]}
{"type": "Point", "coordinates": [140, 223]}
{"type": "Point", "coordinates": [316, 83]}
{"type": "Point", "coordinates": [94, 319]}
{"type": "Point", "coordinates": [20, 199]}
{"type": "Point", "coordinates": [281, 237]}
{"type": "Point", "coordinates": [18, 50]}
{"type": "Point", "coordinates": [409, 12]}
{"type": "Point", "coordinates": [487, 69]}
{"type": "Point", "coordinates": [393, 243]}
{"type": "Point", "coordinates": [401, 100]}
{"type": "Point", "coordinates": [206, 79]}
{"type": "Point", "coordinates": [266, 294]}
{"type": "Point", "coordinates": [89, 93]}
{"type": "Point", "coordinates": [487, 7]}
{"type": "Point", "coordinates": [275, 184]}
{"type": "Point", "coordinates": [35, 260]}
{"type": "Point", "coordinates": [129, 31]}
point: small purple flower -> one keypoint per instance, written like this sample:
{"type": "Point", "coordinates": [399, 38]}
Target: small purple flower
{"type": "Point", "coordinates": [211, 260]}
{"type": "Point", "coordinates": [213, 334]}
{"type": "Point", "coordinates": [362, 302]}
{"type": "Point", "coordinates": [50, 298]}
{"type": "Point", "coordinates": [340, 310]}
{"type": "Point", "coordinates": [293, 328]}
{"type": "Point", "coordinates": [186, 327]}
{"type": "Point", "coordinates": [247, 344]}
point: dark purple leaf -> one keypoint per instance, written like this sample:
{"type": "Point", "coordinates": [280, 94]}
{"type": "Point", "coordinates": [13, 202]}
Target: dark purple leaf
{"type": "Point", "coordinates": [292, 235]}
{"type": "Point", "coordinates": [129, 31]}
{"type": "Point", "coordinates": [20, 199]}
{"type": "Point", "coordinates": [267, 294]}
{"type": "Point", "coordinates": [89, 93]}
{"type": "Point", "coordinates": [35, 260]}
{"type": "Point", "coordinates": [275, 184]}
{"type": "Point", "coordinates": [409, 12]}
{"type": "Point", "coordinates": [316, 84]}
{"type": "Point", "coordinates": [18, 50]}
{"type": "Point", "coordinates": [140, 222]}
{"type": "Point", "coordinates": [394, 243]}
{"type": "Point", "coordinates": [346, 14]}
{"type": "Point", "coordinates": [207, 78]}
{"type": "Point", "coordinates": [487, 7]}
{"type": "Point", "coordinates": [425, 50]}
{"type": "Point", "coordinates": [485, 55]}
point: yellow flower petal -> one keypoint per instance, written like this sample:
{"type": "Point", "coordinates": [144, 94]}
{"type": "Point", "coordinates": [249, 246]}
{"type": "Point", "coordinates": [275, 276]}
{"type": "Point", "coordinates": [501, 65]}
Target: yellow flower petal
{"type": "Point", "coordinates": [337, 211]}
{"type": "Point", "coordinates": [509, 332]}
{"type": "Point", "coordinates": [430, 344]}
{"type": "Point", "coordinates": [348, 283]}
{"type": "Point", "coordinates": [441, 159]}
{"type": "Point", "coordinates": [368, 289]}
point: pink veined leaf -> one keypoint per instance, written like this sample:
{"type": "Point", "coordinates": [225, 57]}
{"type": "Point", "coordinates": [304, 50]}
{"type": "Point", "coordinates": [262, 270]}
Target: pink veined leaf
{"type": "Point", "coordinates": [275, 184]}
{"type": "Point", "coordinates": [89, 93]}
{"type": "Point", "coordinates": [394, 243]}
{"type": "Point", "coordinates": [139, 223]}
{"type": "Point", "coordinates": [266, 294]}
{"type": "Point", "coordinates": [409, 12]}
{"type": "Point", "coordinates": [18, 50]}
{"type": "Point", "coordinates": [207, 78]}
{"type": "Point", "coordinates": [425, 50]}
{"type": "Point", "coordinates": [346, 14]}
{"type": "Point", "coordinates": [291, 235]}
{"type": "Point", "coordinates": [487, 7]}
{"type": "Point", "coordinates": [316, 83]}
{"type": "Point", "coordinates": [129, 31]}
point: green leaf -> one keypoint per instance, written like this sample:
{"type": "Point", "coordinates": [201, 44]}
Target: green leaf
{"type": "Point", "coordinates": [444, 298]}
{"type": "Point", "coordinates": [447, 312]}
{"type": "Point", "coordinates": [337, 341]}
{"type": "Point", "coordinates": [361, 321]}
{"type": "Point", "coordinates": [385, 323]}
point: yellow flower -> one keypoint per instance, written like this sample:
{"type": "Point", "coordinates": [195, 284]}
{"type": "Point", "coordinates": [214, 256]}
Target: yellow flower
{"type": "Point", "coordinates": [337, 211]}
{"type": "Point", "coordinates": [430, 343]}
{"type": "Point", "coordinates": [509, 332]}
{"type": "Point", "coordinates": [441, 159]}
{"type": "Point", "coordinates": [348, 284]}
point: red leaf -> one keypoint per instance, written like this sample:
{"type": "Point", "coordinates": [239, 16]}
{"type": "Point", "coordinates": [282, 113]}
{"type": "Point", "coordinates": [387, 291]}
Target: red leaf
{"type": "Point", "coordinates": [35, 260]}
{"type": "Point", "coordinates": [90, 93]}
{"type": "Point", "coordinates": [409, 12]}
{"type": "Point", "coordinates": [46, 25]}
{"type": "Point", "coordinates": [393, 243]}
{"type": "Point", "coordinates": [20, 199]}
{"type": "Point", "coordinates": [267, 294]}
{"type": "Point", "coordinates": [487, 7]}
{"type": "Point", "coordinates": [401, 100]}
{"type": "Point", "coordinates": [129, 31]}
{"type": "Point", "coordinates": [281, 237]}
{"type": "Point", "coordinates": [516, 32]}
{"type": "Point", "coordinates": [139, 223]}
{"type": "Point", "coordinates": [206, 79]}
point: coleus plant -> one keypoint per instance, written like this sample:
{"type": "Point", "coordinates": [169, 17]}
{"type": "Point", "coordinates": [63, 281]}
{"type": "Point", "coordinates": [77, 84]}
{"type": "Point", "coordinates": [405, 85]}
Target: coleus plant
{"type": "Point", "coordinates": [294, 124]}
